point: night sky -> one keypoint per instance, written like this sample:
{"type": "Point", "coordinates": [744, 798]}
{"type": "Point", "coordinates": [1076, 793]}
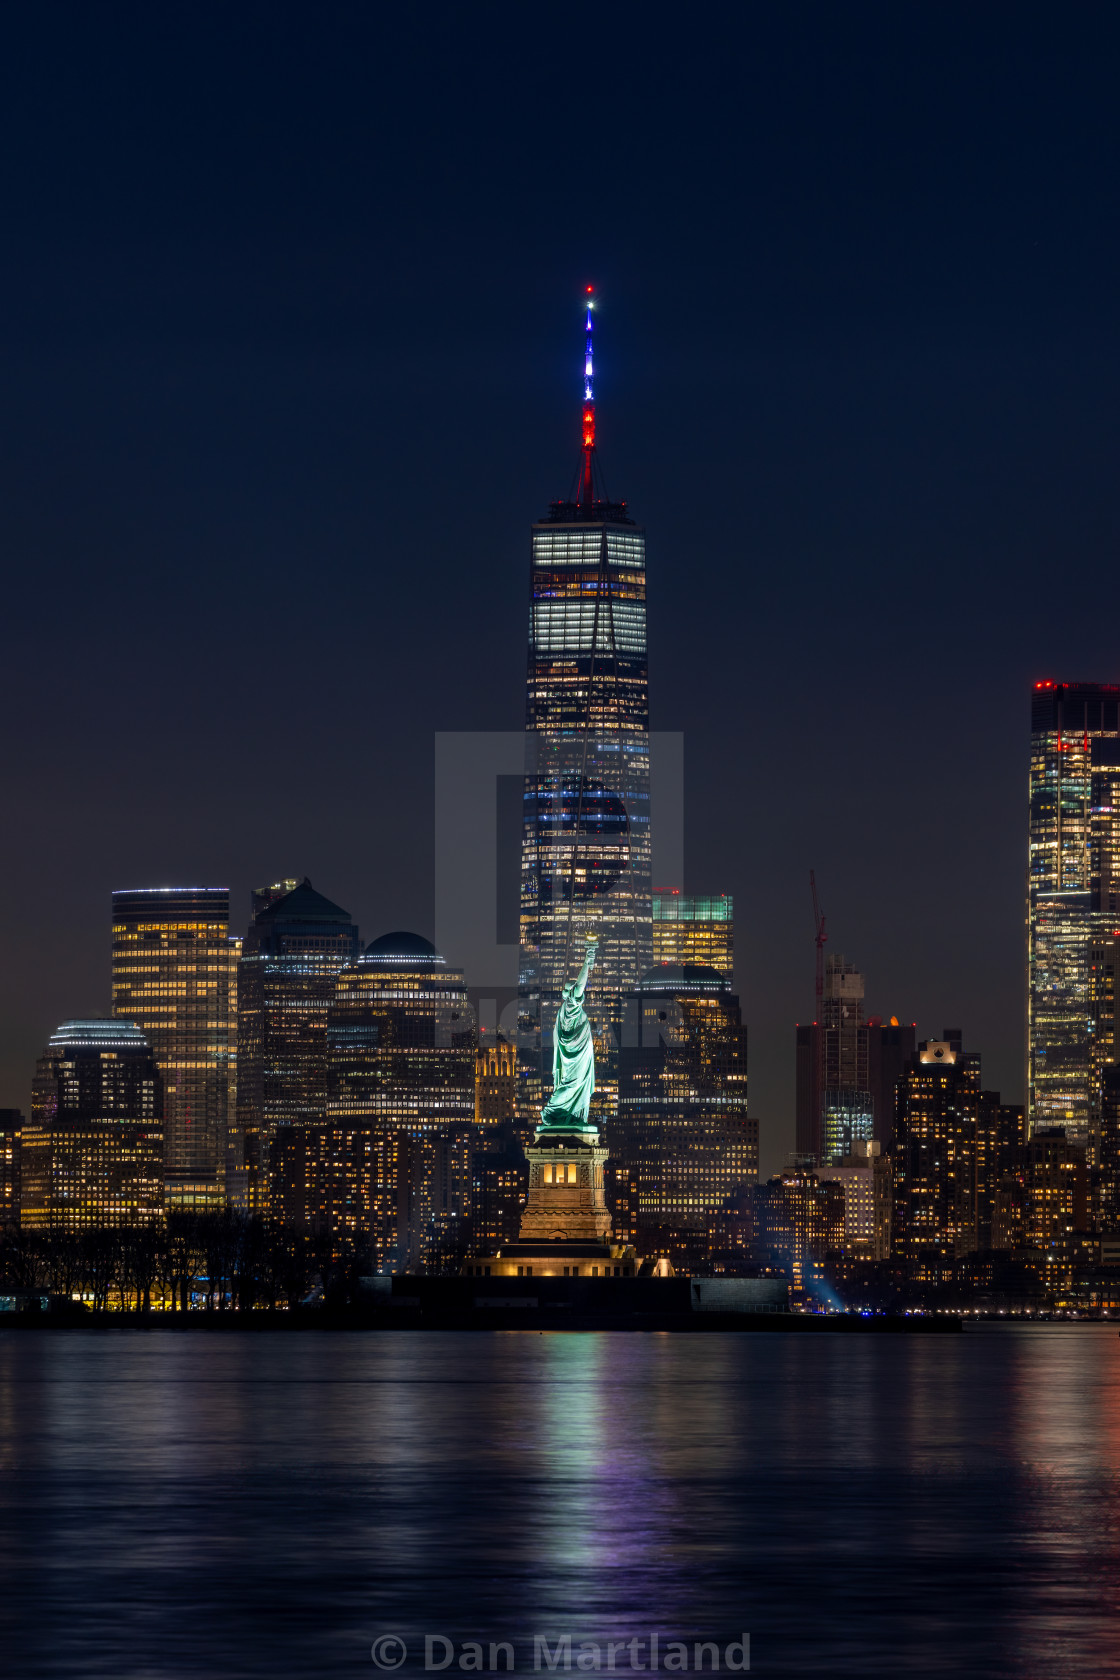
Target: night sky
{"type": "Point", "coordinates": [291, 355]}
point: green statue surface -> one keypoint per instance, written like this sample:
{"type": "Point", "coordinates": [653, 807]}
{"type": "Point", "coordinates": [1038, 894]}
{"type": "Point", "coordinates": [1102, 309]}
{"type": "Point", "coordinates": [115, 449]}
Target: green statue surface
{"type": "Point", "coordinates": [573, 1057]}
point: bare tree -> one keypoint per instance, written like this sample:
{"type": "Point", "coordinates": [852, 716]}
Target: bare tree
{"type": "Point", "coordinates": [185, 1256]}
{"type": "Point", "coordinates": [101, 1253]}
{"type": "Point", "coordinates": [142, 1260]}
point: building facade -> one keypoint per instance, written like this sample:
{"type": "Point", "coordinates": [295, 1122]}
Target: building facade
{"type": "Point", "coordinates": [798, 1222]}
{"type": "Point", "coordinates": [92, 1152]}
{"type": "Point", "coordinates": [401, 1071]}
{"type": "Point", "coordinates": [324, 1173]}
{"type": "Point", "coordinates": [697, 931]}
{"type": "Point", "coordinates": [1056, 1210]}
{"type": "Point", "coordinates": [175, 977]}
{"type": "Point", "coordinates": [498, 1168]}
{"type": "Point", "coordinates": [834, 1100]}
{"type": "Point", "coordinates": [586, 836]}
{"type": "Point", "coordinates": [865, 1179]}
{"type": "Point", "coordinates": [296, 945]}
{"type": "Point", "coordinates": [1072, 891]}
{"type": "Point", "coordinates": [11, 1134]}
{"type": "Point", "coordinates": [499, 1185]}
{"type": "Point", "coordinates": [495, 1086]}
{"type": "Point", "coordinates": [890, 1045]}
{"type": "Point", "coordinates": [944, 1159]}
{"type": "Point", "coordinates": [1106, 1197]}
{"type": "Point", "coordinates": [683, 1129]}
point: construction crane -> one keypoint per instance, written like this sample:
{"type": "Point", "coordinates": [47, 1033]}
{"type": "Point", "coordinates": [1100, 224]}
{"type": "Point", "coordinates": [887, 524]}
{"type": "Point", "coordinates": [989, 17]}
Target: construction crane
{"type": "Point", "coordinates": [818, 919]}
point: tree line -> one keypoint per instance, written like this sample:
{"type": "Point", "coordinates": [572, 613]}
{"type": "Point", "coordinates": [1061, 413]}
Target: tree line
{"type": "Point", "coordinates": [214, 1261]}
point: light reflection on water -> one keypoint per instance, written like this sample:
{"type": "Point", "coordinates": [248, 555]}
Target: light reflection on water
{"type": "Point", "coordinates": [260, 1504]}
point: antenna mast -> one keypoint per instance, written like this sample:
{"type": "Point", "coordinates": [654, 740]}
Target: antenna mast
{"type": "Point", "coordinates": [587, 488]}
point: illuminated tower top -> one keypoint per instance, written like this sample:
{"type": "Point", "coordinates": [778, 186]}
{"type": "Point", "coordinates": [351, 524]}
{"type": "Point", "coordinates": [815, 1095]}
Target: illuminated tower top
{"type": "Point", "coordinates": [587, 488]}
{"type": "Point", "coordinates": [588, 500]}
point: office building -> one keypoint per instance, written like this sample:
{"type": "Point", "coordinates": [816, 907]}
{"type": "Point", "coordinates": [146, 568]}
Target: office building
{"type": "Point", "coordinates": [798, 1222]}
{"type": "Point", "coordinates": [864, 1177]}
{"type": "Point", "coordinates": [91, 1154]}
{"type": "Point", "coordinates": [498, 1168]}
{"type": "Point", "coordinates": [1106, 1177]}
{"type": "Point", "coordinates": [834, 1101]}
{"type": "Point", "coordinates": [586, 846]}
{"type": "Point", "coordinates": [11, 1131]}
{"type": "Point", "coordinates": [683, 1126]}
{"type": "Point", "coordinates": [1042, 1205]}
{"type": "Point", "coordinates": [325, 1175]}
{"type": "Point", "coordinates": [175, 977]}
{"type": "Point", "coordinates": [499, 1185]}
{"type": "Point", "coordinates": [1074, 864]}
{"type": "Point", "coordinates": [496, 1089]}
{"type": "Point", "coordinates": [943, 1159]}
{"type": "Point", "coordinates": [401, 1070]}
{"type": "Point", "coordinates": [297, 943]}
{"type": "Point", "coordinates": [890, 1045]}
{"type": "Point", "coordinates": [732, 1235]}
{"type": "Point", "coordinates": [1104, 1040]}
{"type": "Point", "coordinates": [699, 932]}
{"type": "Point", "coordinates": [847, 1121]}
{"type": "Point", "coordinates": [1056, 1180]}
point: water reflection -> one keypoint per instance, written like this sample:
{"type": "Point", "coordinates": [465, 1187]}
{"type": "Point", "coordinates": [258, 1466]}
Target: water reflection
{"type": "Point", "coordinates": [267, 1504]}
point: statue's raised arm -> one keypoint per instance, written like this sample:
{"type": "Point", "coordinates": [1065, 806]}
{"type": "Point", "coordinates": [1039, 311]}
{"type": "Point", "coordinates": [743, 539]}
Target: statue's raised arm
{"type": "Point", "coordinates": [579, 984]}
{"type": "Point", "coordinates": [573, 1056]}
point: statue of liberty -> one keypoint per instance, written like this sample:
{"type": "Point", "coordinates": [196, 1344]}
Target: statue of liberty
{"type": "Point", "coordinates": [573, 1057]}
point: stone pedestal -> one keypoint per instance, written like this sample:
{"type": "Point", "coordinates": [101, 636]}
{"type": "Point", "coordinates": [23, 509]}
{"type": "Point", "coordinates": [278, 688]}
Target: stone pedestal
{"type": "Point", "coordinates": [566, 1226]}
{"type": "Point", "coordinates": [567, 1199]}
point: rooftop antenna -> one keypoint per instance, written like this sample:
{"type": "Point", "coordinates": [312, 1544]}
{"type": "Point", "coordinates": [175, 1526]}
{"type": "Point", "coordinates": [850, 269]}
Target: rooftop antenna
{"type": "Point", "coordinates": [586, 488]}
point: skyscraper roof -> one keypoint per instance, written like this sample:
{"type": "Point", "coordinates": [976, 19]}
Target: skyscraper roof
{"type": "Point", "coordinates": [683, 977]}
{"type": "Point", "coordinates": [98, 1035]}
{"type": "Point", "coordinates": [303, 904]}
{"type": "Point", "coordinates": [402, 950]}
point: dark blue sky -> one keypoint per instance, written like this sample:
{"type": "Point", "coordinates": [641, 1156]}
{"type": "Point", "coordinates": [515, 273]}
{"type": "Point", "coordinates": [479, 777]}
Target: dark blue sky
{"type": "Point", "coordinates": [289, 315]}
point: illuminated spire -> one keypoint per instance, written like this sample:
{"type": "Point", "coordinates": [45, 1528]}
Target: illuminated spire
{"type": "Point", "coordinates": [587, 491]}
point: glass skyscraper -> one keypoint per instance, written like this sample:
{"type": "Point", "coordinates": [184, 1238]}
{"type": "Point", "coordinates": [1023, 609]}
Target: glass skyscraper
{"type": "Point", "coordinates": [1072, 887]}
{"type": "Point", "coordinates": [92, 1153]}
{"type": "Point", "coordinates": [683, 1130]}
{"type": "Point", "coordinates": [694, 930]}
{"type": "Point", "coordinates": [834, 1101]}
{"type": "Point", "coordinates": [294, 948]}
{"type": "Point", "coordinates": [175, 976]}
{"type": "Point", "coordinates": [401, 1084]}
{"type": "Point", "coordinates": [586, 836]}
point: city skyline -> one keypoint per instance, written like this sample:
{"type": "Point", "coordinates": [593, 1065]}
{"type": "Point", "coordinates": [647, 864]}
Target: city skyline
{"type": "Point", "coordinates": [206, 1019]}
{"type": "Point", "coordinates": [844, 417]}
{"type": "Point", "coordinates": [779, 1135]}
